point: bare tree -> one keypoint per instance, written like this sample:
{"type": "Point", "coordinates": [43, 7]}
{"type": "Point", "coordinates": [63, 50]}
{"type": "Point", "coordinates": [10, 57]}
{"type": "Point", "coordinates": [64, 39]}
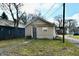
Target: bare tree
{"type": "Point", "coordinates": [10, 7]}
{"type": "Point", "coordinates": [24, 18]}
{"type": "Point", "coordinates": [59, 19]}
{"type": "Point", "coordinates": [71, 25]}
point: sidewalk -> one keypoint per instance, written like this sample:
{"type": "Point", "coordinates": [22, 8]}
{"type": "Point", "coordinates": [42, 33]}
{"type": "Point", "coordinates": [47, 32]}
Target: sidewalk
{"type": "Point", "coordinates": [72, 40]}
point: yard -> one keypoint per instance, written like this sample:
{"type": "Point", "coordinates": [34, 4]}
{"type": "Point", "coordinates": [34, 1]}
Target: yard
{"type": "Point", "coordinates": [74, 36]}
{"type": "Point", "coordinates": [39, 48]}
{"type": "Point", "coordinates": [10, 42]}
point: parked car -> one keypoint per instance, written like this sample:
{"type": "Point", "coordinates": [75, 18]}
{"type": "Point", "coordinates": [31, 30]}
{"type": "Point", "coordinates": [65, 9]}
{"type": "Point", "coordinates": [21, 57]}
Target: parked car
{"type": "Point", "coordinates": [76, 33]}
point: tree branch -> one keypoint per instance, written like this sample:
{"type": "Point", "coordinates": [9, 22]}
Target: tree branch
{"type": "Point", "coordinates": [9, 5]}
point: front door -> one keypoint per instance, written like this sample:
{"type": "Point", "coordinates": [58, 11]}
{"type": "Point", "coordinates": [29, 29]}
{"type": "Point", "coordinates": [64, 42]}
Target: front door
{"type": "Point", "coordinates": [34, 33]}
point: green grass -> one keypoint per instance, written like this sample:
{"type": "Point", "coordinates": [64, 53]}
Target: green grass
{"type": "Point", "coordinates": [46, 48]}
{"type": "Point", "coordinates": [73, 36]}
{"type": "Point", "coordinates": [5, 43]}
{"type": "Point", "coordinates": [76, 36]}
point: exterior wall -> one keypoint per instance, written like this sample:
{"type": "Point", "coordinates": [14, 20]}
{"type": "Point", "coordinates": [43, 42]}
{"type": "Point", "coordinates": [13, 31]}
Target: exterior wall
{"type": "Point", "coordinates": [28, 31]}
{"type": "Point", "coordinates": [29, 28]}
{"type": "Point", "coordinates": [54, 32]}
{"type": "Point", "coordinates": [50, 33]}
{"type": "Point", "coordinates": [40, 33]}
{"type": "Point", "coordinates": [7, 32]}
{"type": "Point", "coordinates": [31, 31]}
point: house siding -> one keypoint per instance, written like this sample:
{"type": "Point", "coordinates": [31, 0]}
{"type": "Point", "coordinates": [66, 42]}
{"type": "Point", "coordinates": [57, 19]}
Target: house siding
{"type": "Point", "coordinates": [7, 32]}
{"type": "Point", "coordinates": [40, 33]}
{"type": "Point", "coordinates": [48, 34]}
{"type": "Point", "coordinates": [28, 31]}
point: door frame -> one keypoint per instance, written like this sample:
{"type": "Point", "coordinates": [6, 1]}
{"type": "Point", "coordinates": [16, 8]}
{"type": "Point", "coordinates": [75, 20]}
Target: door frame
{"type": "Point", "coordinates": [34, 32]}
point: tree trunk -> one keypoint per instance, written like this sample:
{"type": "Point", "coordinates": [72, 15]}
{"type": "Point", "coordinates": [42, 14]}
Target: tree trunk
{"type": "Point", "coordinates": [17, 24]}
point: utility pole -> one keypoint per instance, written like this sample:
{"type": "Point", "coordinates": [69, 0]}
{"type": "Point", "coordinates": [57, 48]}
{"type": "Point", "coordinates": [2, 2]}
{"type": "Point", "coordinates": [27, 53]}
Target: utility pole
{"type": "Point", "coordinates": [63, 22]}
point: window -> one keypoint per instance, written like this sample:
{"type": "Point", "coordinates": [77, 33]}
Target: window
{"type": "Point", "coordinates": [45, 29]}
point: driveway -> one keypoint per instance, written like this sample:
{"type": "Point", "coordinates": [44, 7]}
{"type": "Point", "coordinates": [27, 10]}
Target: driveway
{"type": "Point", "coordinates": [72, 40]}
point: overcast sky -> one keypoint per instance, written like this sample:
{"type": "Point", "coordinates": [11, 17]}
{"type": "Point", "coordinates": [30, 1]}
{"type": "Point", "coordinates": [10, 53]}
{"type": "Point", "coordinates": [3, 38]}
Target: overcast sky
{"type": "Point", "coordinates": [50, 10]}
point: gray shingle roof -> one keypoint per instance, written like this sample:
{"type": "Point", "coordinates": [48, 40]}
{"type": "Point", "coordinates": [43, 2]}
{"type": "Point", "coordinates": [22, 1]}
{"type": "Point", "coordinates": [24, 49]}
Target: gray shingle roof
{"type": "Point", "coordinates": [10, 23]}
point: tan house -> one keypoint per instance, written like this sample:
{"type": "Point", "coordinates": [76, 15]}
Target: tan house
{"type": "Point", "coordinates": [40, 28]}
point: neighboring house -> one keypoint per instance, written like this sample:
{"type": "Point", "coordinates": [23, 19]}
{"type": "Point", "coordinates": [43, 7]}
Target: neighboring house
{"type": "Point", "coordinates": [8, 31]}
{"type": "Point", "coordinates": [40, 28]}
{"type": "Point", "coordinates": [10, 23]}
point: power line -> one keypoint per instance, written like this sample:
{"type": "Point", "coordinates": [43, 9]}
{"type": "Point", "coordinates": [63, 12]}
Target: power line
{"type": "Point", "coordinates": [55, 11]}
{"type": "Point", "coordinates": [49, 10]}
{"type": "Point", "coordinates": [4, 9]}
